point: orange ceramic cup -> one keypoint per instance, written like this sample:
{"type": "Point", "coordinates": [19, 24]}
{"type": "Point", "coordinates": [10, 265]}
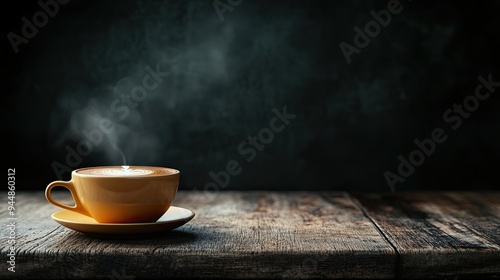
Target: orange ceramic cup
{"type": "Point", "coordinates": [120, 194]}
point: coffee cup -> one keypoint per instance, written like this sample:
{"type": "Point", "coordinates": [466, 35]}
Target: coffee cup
{"type": "Point", "coordinates": [120, 194]}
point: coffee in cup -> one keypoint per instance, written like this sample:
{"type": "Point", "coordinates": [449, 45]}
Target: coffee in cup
{"type": "Point", "coordinates": [120, 194]}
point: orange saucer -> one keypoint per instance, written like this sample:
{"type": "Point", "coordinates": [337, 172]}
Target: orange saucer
{"type": "Point", "coordinates": [173, 218]}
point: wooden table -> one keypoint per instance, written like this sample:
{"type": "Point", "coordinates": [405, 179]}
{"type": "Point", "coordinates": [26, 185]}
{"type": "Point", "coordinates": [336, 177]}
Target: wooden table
{"type": "Point", "coordinates": [275, 235]}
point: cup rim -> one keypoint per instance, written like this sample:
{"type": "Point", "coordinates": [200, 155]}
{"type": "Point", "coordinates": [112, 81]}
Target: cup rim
{"type": "Point", "coordinates": [171, 172]}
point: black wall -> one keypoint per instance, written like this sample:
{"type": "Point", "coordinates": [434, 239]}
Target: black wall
{"type": "Point", "coordinates": [226, 76]}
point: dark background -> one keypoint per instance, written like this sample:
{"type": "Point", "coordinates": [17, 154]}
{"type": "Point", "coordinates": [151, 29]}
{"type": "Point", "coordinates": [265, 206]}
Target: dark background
{"type": "Point", "coordinates": [353, 119]}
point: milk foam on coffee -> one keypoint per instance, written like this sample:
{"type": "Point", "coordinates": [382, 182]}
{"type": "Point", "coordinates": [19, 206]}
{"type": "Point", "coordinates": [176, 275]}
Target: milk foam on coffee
{"type": "Point", "coordinates": [125, 171]}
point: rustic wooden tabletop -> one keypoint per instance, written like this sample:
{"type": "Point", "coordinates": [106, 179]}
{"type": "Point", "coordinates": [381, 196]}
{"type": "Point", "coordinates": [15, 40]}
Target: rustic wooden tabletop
{"type": "Point", "coordinates": [258, 234]}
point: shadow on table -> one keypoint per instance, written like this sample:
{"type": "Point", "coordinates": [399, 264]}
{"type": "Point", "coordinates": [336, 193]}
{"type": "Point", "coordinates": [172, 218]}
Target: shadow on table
{"type": "Point", "coordinates": [174, 237]}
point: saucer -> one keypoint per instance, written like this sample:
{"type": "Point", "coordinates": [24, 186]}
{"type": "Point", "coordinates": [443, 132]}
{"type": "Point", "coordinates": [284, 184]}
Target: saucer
{"type": "Point", "coordinates": [173, 218]}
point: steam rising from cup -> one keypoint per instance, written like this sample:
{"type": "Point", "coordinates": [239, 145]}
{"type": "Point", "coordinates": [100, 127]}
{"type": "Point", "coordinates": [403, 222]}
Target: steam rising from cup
{"type": "Point", "coordinates": [98, 131]}
{"type": "Point", "coordinates": [95, 128]}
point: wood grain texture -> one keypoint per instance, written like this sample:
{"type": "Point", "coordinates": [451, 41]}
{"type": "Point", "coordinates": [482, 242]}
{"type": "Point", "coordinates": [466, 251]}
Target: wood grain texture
{"type": "Point", "coordinates": [442, 235]}
{"type": "Point", "coordinates": [233, 235]}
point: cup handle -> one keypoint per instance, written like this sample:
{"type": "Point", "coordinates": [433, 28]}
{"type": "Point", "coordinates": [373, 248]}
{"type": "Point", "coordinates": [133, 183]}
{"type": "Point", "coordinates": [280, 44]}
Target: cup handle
{"type": "Point", "coordinates": [68, 185]}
